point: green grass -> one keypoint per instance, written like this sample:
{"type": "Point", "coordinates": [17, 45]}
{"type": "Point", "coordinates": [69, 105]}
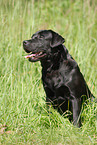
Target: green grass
{"type": "Point", "coordinates": [22, 98]}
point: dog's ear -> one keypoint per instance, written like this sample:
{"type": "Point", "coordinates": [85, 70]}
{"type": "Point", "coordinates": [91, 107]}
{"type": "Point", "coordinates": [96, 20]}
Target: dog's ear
{"type": "Point", "coordinates": [56, 39]}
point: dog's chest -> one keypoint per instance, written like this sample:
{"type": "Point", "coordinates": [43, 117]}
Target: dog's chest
{"type": "Point", "coordinates": [53, 79]}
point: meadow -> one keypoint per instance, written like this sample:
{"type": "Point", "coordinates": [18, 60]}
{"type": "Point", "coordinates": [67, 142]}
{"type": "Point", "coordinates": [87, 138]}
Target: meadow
{"type": "Point", "coordinates": [24, 118]}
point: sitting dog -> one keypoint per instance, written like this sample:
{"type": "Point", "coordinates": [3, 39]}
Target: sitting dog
{"type": "Point", "coordinates": [63, 82]}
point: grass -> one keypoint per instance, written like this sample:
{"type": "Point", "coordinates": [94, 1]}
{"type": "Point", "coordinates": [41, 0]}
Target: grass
{"type": "Point", "coordinates": [23, 115]}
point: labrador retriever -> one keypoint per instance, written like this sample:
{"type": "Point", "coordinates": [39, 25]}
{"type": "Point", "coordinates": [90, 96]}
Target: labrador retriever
{"type": "Point", "coordinates": [63, 82]}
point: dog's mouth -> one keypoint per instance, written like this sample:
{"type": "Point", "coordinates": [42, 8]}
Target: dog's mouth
{"type": "Point", "coordinates": [35, 56]}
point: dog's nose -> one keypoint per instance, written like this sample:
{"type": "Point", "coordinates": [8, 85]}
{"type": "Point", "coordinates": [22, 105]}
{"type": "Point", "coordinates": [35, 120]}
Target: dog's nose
{"type": "Point", "coordinates": [25, 42]}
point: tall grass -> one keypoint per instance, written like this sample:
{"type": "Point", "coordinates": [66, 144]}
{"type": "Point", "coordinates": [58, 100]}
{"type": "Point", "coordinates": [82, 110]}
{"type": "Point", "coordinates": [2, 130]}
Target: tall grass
{"type": "Point", "coordinates": [22, 98]}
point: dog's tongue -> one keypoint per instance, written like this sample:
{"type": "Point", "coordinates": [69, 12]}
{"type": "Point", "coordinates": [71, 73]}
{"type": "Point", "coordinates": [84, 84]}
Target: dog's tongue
{"type": "Point", "coordinates": [30, 55]}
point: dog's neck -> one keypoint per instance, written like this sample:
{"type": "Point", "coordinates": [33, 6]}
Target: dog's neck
{"type": "Point", "coordinates": [52, 62]}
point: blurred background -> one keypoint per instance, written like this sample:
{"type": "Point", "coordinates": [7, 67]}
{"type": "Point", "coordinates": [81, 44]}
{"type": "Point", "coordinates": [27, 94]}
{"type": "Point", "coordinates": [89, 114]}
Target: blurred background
{"type": "Point", "coordinates": [22, 98]}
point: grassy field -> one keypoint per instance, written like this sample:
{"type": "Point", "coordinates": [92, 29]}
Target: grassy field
{"type": "Point", "coordinates": [23, 115]}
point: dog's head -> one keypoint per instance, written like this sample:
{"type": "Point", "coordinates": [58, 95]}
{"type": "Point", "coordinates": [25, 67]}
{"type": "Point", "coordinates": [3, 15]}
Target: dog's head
{"type": "Point", "coordinates": [41, 44]}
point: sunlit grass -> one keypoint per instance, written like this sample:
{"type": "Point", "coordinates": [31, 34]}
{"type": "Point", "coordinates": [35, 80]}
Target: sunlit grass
{"type": "Point", "coordinates": [22, 98]}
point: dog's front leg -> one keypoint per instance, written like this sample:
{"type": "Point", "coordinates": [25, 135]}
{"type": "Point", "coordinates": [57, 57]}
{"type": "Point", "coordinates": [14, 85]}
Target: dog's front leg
{"type": "Point", "coordinates": [50, 96]}
{"type": "Point", "coordinates": [76, 107]}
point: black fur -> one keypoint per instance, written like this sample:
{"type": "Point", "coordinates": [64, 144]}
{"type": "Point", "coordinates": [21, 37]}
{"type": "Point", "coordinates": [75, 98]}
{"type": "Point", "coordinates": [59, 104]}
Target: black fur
{"type": "Point", "coordinates": [62, 80]}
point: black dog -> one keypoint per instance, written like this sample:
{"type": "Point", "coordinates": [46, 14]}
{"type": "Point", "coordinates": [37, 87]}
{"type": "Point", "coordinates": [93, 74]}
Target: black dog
{"type": "Point", "coordinates": [63, 82]}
